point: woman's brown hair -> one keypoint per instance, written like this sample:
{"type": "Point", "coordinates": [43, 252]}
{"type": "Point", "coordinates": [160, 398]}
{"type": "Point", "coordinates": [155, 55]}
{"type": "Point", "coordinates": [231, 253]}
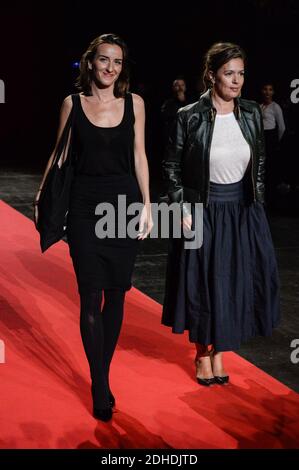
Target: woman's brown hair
{"type": "Point", "coordinates": [219, 54]}
{"type": "Point", "coordinates": [84, 80]}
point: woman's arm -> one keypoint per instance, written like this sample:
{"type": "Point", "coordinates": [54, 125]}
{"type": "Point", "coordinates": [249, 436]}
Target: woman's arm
{"type": "Point", "coordinates": [279, 121]}
{"type": "Point", "coordinates": [172, 163]}
{"type": "Point", "coordinates": [172, 168]}
{"type": "Point", "coordinates": [141, 165]}
{"type": "Point", "coordinates": [64, 114]}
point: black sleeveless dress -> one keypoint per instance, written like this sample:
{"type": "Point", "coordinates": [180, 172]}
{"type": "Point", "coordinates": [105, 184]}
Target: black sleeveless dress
{"type": "Point", "coordinates": [104, 169]}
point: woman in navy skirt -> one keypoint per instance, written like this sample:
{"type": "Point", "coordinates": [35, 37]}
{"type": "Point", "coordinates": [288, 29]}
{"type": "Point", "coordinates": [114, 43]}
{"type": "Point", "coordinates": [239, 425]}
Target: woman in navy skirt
{"type": "Point", "coordinates": [226, 291]}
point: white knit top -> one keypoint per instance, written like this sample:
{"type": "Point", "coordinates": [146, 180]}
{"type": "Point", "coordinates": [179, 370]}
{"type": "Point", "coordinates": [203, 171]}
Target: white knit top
{"type": "Point", "coordinates": [230, 153]}
{"type": "Point", "coordinates": [273, 117]}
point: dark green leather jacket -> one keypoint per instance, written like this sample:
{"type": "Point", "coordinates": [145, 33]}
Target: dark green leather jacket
{"type": "Point", "coordinates": [186, 166]}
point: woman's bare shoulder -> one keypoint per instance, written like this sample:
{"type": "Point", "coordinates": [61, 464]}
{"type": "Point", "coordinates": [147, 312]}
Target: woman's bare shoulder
{"type": "Point", "coordinates": [137, 100]}
{"type": "Point", "coordinates": [67, 103]}
{"type": "Point", "coordinates": [138, 104]}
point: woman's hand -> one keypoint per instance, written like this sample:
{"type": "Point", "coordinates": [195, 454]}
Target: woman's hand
{"type": "Point", "coordinates": [187, 222]}
{"type": "Point", "coordinates": [35, 207]}
{"type": "Point", "coordinates": [145, 222]}
{"type": "Point", "coordinates": [35, 214]}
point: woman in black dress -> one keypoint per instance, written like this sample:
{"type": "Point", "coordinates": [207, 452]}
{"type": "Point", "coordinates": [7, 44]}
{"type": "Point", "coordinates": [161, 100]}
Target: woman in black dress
{"type": "Point", "coordinates": [227, 290]}
{"type": "Point", "coordinates": [108, 142]}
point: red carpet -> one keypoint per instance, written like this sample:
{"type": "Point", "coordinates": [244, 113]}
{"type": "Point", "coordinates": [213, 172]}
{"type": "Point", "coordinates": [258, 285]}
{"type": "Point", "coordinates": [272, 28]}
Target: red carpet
{"type": "Point", "coordinates": [45, 395]}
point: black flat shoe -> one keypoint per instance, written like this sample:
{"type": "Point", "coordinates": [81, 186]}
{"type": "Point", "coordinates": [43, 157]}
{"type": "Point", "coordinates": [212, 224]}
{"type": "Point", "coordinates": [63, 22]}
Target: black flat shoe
{"type": "Point", "coordinates": [221, 380]}
{"type": "Point", "coordinates": [103, 414]}
{"type": "Point", "coordinates": [206, 382]}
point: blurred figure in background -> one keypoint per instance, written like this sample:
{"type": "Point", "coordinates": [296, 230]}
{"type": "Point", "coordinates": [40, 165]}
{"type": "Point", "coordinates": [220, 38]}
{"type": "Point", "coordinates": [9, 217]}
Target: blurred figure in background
{"type": "Point", "coordinates": [274, 129]}
{"type": "Point", "coordinates": [171, 106]}
{"type": "Point", "coordinates": [169, 111]}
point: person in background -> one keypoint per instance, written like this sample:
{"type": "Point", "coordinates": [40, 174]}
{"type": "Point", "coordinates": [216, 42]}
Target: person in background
{"type": "Point", "coordinates": [169, 111]}
{"type": "Point", "coordinates": [274, 129]}
{"type": "Point", "coordinates": [171, 106]}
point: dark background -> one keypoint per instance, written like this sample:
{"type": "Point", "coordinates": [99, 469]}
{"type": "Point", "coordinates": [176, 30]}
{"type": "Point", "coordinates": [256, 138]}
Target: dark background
{"type": "Point", "coordinates": [40, 41]}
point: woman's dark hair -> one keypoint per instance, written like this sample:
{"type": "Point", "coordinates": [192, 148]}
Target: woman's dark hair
{"type": "Point", "coordinates": [267, 83]}
{"type": "Point", "coordinates": [84, 80]}
{"type": "Point", "coordinates": [219, 54]}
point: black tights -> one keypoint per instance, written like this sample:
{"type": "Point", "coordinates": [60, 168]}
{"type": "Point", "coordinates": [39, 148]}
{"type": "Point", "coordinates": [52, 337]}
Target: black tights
{"type": "Point", "coordinates": [100, 331]}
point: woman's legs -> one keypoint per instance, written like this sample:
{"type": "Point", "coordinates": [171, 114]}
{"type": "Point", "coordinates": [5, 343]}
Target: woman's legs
{"type": "Point", "coordinates": [217, 364]}
{"type": "Point", "coordinates": [92, 333]}
{"type": "Point", "coordinates": [113, 312]}
{"type": "Point", "coordinates": [100, 332]}
{"type": "Point", "coordinates": [204, 371]}
{"type": "Point", "coordinates": [209, 364]}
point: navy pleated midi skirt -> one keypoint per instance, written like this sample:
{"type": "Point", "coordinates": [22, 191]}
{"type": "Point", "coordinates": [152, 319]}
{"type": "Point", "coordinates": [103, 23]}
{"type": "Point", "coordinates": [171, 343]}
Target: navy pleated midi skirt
{"type": "Point", "coordinates": [226, 291]}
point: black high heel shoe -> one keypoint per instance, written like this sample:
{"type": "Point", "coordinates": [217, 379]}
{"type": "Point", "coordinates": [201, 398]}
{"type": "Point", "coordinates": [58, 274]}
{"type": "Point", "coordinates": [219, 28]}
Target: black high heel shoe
{"type": "Point", "coordinates": [206, 382]}
{"type": "Point", "coordinates": [111, 402]}
{"type": "Point", "coordinates": [221, 380]}
{"type": "Point", "coordinates": [104, 414]}
{"type": "Point", "coordinates": [202, 381]}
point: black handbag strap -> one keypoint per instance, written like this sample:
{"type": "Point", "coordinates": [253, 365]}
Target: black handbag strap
{"type": "Point", "coordinates": [73, 115]}
{"type": "Point", "coordinates": [75, 100]}
{"type": "Point", "coordinates": [69, 126]}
